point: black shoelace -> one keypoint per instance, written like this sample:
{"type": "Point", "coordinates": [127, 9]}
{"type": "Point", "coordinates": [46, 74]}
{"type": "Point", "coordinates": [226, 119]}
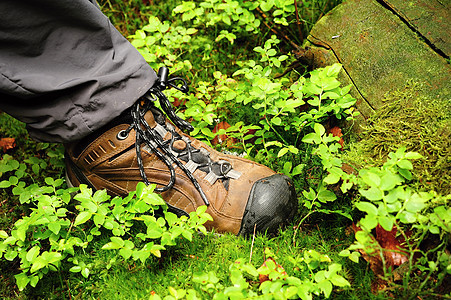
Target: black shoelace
{"type": "Point", "coordinates": [152, 139]}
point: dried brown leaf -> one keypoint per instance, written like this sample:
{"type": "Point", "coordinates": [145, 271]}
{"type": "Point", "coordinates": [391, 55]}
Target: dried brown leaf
{"type": "Point", "coordinates": [7, 144]}
{"type": "Point", "coordinates": [336, 131]}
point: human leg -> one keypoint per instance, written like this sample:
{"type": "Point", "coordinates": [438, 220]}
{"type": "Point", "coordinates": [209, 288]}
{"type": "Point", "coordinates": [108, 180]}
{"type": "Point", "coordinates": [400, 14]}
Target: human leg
{"type": "Point", "coordinates": [64, 69]}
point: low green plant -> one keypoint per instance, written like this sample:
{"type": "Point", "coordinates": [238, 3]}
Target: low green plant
{"type": "Point", "coordinates": [236, 15]}
{"type": "Point", "coordinates": [56, 227]}
{"type": "Point", "coordinates": [388, 201]}
{"type": "Point", "coordinates": [280, 119]}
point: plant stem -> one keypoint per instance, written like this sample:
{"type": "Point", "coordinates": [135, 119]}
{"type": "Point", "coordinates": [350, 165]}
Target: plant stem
{"type": "Point", "coordinates": [269, 123]}
{"type": "Point", "coordinates": [298, 23]}
{"type": "Point", "coordinates": [62, 285]}
{"type": "Point", "coordinates": [299, 225]}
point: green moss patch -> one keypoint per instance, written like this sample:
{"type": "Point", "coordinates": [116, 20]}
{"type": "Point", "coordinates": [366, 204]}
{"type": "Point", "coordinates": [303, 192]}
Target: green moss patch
{"type": "Point", "coordinates": [422, 125]}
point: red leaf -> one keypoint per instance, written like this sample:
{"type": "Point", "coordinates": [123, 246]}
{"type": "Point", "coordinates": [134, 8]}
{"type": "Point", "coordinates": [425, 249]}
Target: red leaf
{"type": "Point", "coordinates": [7, 144]}
{"type": "Point", "coordinates": [279, 269]}
{"type": "Point", "coordinates": [336, 131]}
{"type": "Point", "coordinates": [177, 102]}
{"type": "Point", "coordinates": [219, 139]}
{"type": "Point", "coordinates": [388, 241]}
{"type": "Point", "coordinates": [371, 256]}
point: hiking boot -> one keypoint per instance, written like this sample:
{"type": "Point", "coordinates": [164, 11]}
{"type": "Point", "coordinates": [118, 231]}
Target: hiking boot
{"type": "Point", "coordinates": [142, 145]}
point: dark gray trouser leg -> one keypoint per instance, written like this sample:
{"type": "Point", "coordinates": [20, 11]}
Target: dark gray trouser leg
{"type": "Point", "coordinates": [64, 69]}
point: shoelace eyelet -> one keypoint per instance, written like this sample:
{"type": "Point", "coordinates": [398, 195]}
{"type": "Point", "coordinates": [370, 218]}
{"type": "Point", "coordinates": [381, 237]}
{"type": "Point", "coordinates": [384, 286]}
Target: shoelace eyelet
{"type": "Point", "coordinates": [122, 135]}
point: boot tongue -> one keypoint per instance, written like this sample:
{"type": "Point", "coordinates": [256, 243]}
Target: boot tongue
{"type": "Point", "coordinates": [124, 118]}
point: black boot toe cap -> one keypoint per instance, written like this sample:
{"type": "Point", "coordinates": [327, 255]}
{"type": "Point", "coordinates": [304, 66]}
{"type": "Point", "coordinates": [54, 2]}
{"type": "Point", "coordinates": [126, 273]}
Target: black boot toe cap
{"type": "Point", "coordinates": [272, 203]}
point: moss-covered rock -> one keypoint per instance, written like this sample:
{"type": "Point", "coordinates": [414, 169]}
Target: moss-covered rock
{"type": "Point", "coordinates": [396, 54]}
{"type": "Point", "coordinates": [381, 48]}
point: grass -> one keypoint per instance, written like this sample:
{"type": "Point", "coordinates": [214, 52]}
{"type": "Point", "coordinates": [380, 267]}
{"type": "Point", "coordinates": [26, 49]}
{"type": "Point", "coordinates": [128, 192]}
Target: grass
{"type": "Point", "coordinates": [205, 253]}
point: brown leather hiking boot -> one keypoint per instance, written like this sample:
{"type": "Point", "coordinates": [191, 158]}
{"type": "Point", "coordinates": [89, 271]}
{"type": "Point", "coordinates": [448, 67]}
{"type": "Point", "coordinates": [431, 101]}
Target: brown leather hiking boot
{"type": "Point", "coordinates": [142, 145]}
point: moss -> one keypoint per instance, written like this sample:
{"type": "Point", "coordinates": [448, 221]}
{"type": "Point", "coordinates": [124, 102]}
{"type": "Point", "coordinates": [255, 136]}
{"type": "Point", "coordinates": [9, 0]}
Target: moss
{"type": "Point", "coordinates": [421, 124]}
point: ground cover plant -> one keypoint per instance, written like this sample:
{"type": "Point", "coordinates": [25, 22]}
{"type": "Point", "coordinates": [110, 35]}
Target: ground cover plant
{"type": "Point", "coordinates": [365, 229]}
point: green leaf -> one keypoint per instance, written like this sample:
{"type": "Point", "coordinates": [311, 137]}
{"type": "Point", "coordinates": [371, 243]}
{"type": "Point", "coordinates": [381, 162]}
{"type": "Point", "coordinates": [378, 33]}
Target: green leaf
{"type": "Point", "coordinates": [201, 209]}
{"type": "Point", "coordinates": [400, 152]}
{"type": "Point", "coordinates": [153, 199]}
{"type": "Point", "coordinates": [3, 234]}
{"type": "Point", "coordinates": [369, 222]}
{"type": "Point", "coordinates": [405, 173]}
{"type": "Point", "coordinates": [33, 253]}
{"type": "Point", "coordinates": [276, 121]}
{"type": "Point", "coordinates": [187, 235]}
{"type": "Point", "coordinates": [370, 178]}
{"type": "Point", "coordinates": [118, 241]}
{"type": "Point", "coordinates": [386, 222]}
{"type": "Point", "coordinates": [82, 217]}
{"type": "Point", "coordinates": [332, 178]}
{"type": "Point", "coordinates": [413, 155]}
{"type": "Point", "coordinates": [326, 195]}
{"type": "Point", "coordinates": [98, 219]}
{"type": "Point", "coordinates": [330, 95]}
{"type": "Point", "coordinates": [34, 281]}
{"type": "Point", "coordinates": [38, 264]}
{"type": "Point", "coordinates": [405, 164]}
{"type": "Point", "coordinates": [191, 31]}
{"type": "Point", "coordinates": [310, 195]}
{"type": "Point", "coordinates": [85, 272]}
{"type": "Point", "coordinates": [75, 269]}
{"type": "Point", "coordinates": [415, 203]}
{"type": "Point", "coordinates": [319, 129]}
{"type": "Point", "coordinates": [54, 227]}
{"type": "Point", "coordinates": [22, 280]}
{"type": "Point", "coordinates": [355, 256]}
{"type": "Point", "coordinates": [125, 253]}
{"type": "Point", "coordinates": [154, 232]}
{"type": "Point", "coordinates": [49, 181]}
{"type": "Point", "coordinates": [434, 229]}
{"type": "Point", "coordinates": [326, 287]}
{"type": "Point", "coordinates": [312, 138]}
{"type": "Point", "coordinates": [139, 189]}
{"type": "Point", "coordinates": [367, 207]}
{"type": "Point", "coordinates": [21, 232]}
{"type": "Point", "coordinates": [334, 70]}
{"type": "Point", "coordinates": [407, 217]}
{"type": "Point", "coordinates": [282, 152]}
{"type": "Point", "coordinates": [339, 280]}
{"type": "Point", "coordinates": [10, 254]}
{"type": "Point", "coordinates": [271, 52]}
{"type": "Point", "coordinates": [99, 197]}
{"type": "Point", "coordinates": [13, 180]}
{"type": "Point", "coordinates": [138, 43]}
{"type": "Point", "coordinates": [5, 184]}
{"type": "Point", "coordinates": [372, 193]}
{"type": "Point", "coordinates": [171, 218]}
{"type": "Point", "coordinates": [298, 169]}
{"type": "Point", "coordinates": [267, 5]}
{"type": "Point", "coordinates": [389, 181]}
{"type": "Point", "coordinates": [287, 166]}
{"type": "Point", "coordinates": [314, 102]}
